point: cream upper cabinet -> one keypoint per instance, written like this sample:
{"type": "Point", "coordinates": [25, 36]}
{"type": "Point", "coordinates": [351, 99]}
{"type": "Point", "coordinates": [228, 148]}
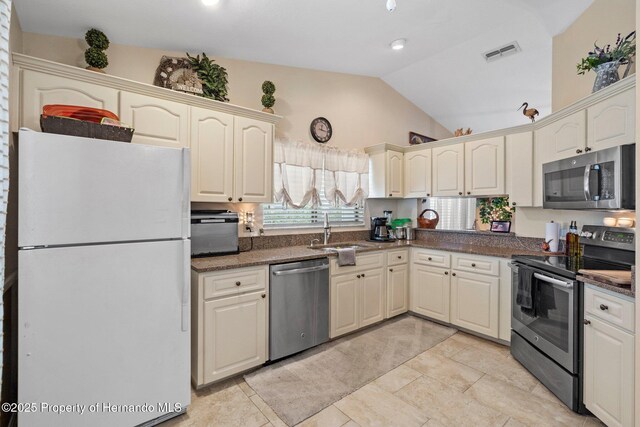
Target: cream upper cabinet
{"type": "Point", "coordinates": [430, 292]}
{"type": "Point", "coordinates": [372, 297]}
{"type": "Point", "coordinates": [226, 319]}
{"type": "Point", "coordinates": [397, 290]}
{"type": "Point", "coordinates": [417, 173]}
{"type": "Point", "coordinates": [519, 168]}
{"type": "Point", "coordinates": [475, 302]}
{"type": "Point", "coordinates": [448, 170]}
{"type": "Point", "coordinates": [40, 89]}
{"type": "Point", "coordinates": [558, 140]}
{"type": "Point", "coordinates": [612, 122]}
{"type": "Point", "coordinates": [156, 121]}
{"type": "Point", "coordinates": [484, 167]}
{"type": "Point", "coordinates": [211, 156]}
{"type": "Point", "coordinates": [386, 173]}
{"type": "Point", "coordinates": [253, 141]}
{"type": "Point", "coordinates": [345, 304]}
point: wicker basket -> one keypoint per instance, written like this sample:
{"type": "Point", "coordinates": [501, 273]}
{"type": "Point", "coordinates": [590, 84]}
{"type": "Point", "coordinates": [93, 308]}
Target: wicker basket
{"type": "Point", "coordinates": [428, 223]}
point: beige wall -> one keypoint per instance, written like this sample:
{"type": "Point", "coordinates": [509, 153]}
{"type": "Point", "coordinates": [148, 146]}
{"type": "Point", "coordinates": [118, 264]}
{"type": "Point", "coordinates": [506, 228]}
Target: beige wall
{"type": "Point", "coordinates": [601, 22]}
{"type": "Point", "coordinates": [363, 110]}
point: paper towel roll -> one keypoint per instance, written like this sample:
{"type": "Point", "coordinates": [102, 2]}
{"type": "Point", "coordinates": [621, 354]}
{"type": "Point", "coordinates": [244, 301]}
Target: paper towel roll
{"type": "Point", "coordinates": [552, 232]}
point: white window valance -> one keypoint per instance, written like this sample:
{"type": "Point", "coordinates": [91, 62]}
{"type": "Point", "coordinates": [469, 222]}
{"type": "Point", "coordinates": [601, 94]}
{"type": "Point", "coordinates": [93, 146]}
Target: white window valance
{"type": "Point", "coordinates": [306, 173]}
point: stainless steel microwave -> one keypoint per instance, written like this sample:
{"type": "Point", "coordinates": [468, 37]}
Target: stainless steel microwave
{"type": "Point", "coordinates": [602, 179]}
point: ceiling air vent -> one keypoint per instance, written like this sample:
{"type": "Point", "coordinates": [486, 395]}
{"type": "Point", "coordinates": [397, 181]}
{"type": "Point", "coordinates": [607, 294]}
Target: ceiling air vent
{"type": "Point", "coordinates": [501, 52]}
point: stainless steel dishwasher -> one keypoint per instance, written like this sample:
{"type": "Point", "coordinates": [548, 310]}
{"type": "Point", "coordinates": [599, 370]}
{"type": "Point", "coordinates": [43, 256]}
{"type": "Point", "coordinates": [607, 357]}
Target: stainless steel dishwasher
{"type": "Point", "coordinates": [298, 306]}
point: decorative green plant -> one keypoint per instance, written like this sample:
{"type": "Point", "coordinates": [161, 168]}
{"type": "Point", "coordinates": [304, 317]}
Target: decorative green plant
{"type": "Point", "coordinates": [94, 55]}
{"type": "Point", "coordinates": [268, 99]}
{"type": "Point", "coordinates": [495, 209]}
{"type": "Point", "coordinates": [624, 49]}
{"type": "Point", "coordinates": [214, 77]}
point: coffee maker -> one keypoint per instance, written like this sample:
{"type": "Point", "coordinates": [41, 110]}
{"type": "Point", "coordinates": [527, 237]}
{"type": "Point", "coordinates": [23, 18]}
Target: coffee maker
{"type": "Point", "coordinates": [380, 230]}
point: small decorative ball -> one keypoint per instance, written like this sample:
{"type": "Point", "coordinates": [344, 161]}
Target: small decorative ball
{"type": "Point", "coordinates": [96, 58]}
{"type": "Point", "coordinates": [96, 38]}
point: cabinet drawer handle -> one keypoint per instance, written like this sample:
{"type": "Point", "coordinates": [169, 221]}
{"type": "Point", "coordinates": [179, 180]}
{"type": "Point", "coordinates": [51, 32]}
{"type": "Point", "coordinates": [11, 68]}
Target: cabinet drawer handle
{"type": "Point", "coordinates": [391, 270]}
{"type": "Point", "coordinates": [473, 264]}
{"type": "Point", "coordinates": [587, 322]}
{"type": "Point", "coordinates": [453, 274]}
{"type": "Point", "coordinates": [399, 256]}
{"type": "Point", "coordinates": [230, 198]}
{"type": "Point", "coordinates": [446, 273]}
{"type": "Point", "coordinates": [238, 283]}
{"type": "Point", "coordinates": [604, 307]}
{"type": "Point", "coordinates": [264, 295]}
{"type": "Point", "coordinates": [578, 151]}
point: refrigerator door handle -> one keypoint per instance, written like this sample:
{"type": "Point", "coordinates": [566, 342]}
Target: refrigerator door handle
{"type": "Point", "coordinates": [186, 193]}
{"type": "Point", "coordinates": [186, 285]}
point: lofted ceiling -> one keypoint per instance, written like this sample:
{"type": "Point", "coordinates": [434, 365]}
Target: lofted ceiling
{"type": "Point", "coordinates": [441, 69]}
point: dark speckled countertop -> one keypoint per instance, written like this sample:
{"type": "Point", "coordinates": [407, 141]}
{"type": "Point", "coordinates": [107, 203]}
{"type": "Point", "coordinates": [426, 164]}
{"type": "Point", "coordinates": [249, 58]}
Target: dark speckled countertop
{"type": "Point", "coordinates": [299, 253]}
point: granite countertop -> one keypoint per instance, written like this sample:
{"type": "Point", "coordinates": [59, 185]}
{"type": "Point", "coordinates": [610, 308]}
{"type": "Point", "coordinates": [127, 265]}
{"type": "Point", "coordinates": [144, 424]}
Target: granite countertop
{"type": "Point", "coordinates": [628, 291]}
{"type": "Point", "coordinates": [300, 253]}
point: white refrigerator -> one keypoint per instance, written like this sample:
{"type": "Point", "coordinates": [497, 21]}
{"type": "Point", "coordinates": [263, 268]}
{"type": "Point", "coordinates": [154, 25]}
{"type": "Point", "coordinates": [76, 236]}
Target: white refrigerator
{"type": "Point", "coordinates": [103, 297]}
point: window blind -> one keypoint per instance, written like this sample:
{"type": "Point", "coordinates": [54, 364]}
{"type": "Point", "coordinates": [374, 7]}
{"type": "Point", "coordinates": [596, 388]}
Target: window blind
{"type": "Point", "coordinates": [455, 213]}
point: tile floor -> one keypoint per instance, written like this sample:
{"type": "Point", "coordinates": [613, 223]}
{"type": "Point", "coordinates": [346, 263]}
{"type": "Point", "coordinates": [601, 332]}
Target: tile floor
{"type": "Point", "coordinates": [463, 381]}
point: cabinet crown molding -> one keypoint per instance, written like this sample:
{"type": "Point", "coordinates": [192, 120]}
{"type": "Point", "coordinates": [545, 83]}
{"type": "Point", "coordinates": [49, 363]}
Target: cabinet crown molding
{"type": "Point", "coordinates": [25, 62]}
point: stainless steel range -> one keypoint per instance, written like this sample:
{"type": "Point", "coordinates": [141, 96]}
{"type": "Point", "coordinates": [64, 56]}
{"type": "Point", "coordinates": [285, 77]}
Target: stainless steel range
{"type": "Point", "coordinates": [547, 308]}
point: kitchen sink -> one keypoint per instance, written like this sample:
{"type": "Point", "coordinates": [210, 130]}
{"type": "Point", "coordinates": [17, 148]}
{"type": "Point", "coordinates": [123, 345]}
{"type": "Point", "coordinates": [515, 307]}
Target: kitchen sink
{"type": "Point", "coordinates": [329, 248]}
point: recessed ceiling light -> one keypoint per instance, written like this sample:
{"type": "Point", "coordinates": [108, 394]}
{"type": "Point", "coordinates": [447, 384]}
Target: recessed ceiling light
{"type": "Point", "coordinates": [210, 2]}
{"type": "Point", "coordinates": [398, 44]}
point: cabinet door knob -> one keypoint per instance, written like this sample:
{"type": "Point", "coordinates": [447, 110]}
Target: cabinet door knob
{"type": "Point", "coordinates": [587, 322]}
{"type": "Point", "coordinates": [430, 259]}
{"type": "Point", "coordinates": [428, 194]}
{"type": "Point", "coordinates": [240, 199]}
{"type": "Point", "coordinates": [399, 256]}
{"type": "Point", "coordinates": [587, 149]}
{"type": "Point", "coordinates": [469, 192]}
{"type": "Point", "coordinates": [460, 193]}
{"type": "Point", "coordinates": [473, 264]}
{"type": "Point", "coordinates": [578, 151]}
{"type": "Point", "coordinates": [230, 198]}
{"type": "Point", "coordinates": [238, 283]}
{"type": "Point", "coordinates": [453, 274]}
{"type": "Point", "coordinates": [604, 307]}
{"type": "Point", "coordinates": [513, 203]}
{"type": "Point", "coordinates": [362, 274]}
{"type": "Point", "coordinates": [264, 295]}
{"type": "Point", "coordinates": [390, 195]}
{"type": "Point", "coordinates": [446, 273]}
{"type": "Point", "coordinates": [358, 276]}
{"type": "Point", "coordinates": [391, 270]}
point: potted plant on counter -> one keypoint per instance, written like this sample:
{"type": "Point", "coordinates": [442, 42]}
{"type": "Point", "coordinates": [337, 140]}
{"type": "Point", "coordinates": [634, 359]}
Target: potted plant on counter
{"type": "Point", "coordinates": [605, 60]}
{"type": "Point", "coordinates": [496, 210]}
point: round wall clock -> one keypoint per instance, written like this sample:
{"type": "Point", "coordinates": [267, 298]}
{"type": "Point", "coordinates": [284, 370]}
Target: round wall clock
{"type": "Point", "coordinates": [321, 129]}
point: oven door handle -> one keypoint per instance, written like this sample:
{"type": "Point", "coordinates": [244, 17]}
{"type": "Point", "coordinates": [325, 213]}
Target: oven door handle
{"type": "Point", "coordinates": [553, 281]}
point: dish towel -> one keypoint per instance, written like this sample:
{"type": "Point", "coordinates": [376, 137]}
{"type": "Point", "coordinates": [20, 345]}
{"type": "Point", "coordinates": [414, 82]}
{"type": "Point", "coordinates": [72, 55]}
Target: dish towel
{"type": "Point", "coordinates": [346, 256]}
{"type": "Point", "coordinates": [525, 295]}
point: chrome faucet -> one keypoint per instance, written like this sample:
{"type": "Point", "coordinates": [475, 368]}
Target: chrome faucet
{"type": "Point", "coordinates": [313, 243]}
{"type": "Point", "coordinates": [326, 229]}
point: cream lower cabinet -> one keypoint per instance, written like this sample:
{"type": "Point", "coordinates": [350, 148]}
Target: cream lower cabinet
{"type": "Point", "coordinates": [475, 302]}
{"type": "Point", "coordinates": [358, 294]}
{"type": "Point", "coordinates": [448, 170]}
{"type": "Point", "coordinates": [430, 292]}
{"type": "Point", "coordinates": [156, 121]}
{"type": "Point", "coordinates": [229, 327]}
{"type": "Point", "coordinates": [609, 357]}
{"type": "Point", "coordinates": [40, 89]}
{"type": "Point", "coordinates": [397, 290]}
{"type": "Point", "coordinates": [211, 156]}
{"type": "Point", "coordinates": [253, 142]}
